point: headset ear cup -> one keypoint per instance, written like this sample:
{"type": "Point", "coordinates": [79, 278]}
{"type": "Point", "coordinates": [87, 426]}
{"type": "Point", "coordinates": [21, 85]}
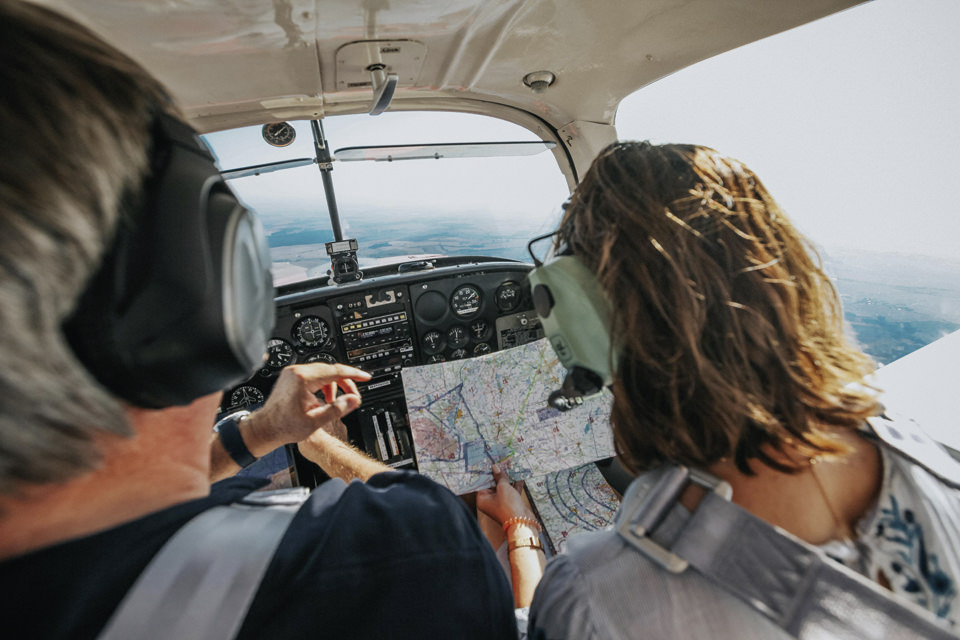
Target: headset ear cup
{"type": "Point", "coordinates": [183, 303]}
{"type": "Point", "coordinates": [247, 285]}
{"type": "Point", "coordinates": [576, 314]}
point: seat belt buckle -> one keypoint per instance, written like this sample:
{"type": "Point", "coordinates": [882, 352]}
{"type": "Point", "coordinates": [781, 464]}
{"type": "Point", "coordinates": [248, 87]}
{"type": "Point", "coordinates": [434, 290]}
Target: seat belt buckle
{"type": "Point", "coordinates": [648, 501]}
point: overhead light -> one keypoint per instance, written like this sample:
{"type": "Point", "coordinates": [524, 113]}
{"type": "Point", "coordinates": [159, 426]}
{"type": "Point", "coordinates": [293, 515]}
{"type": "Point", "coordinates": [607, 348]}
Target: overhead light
{"type": "Point", "coordinates": [538, 81]}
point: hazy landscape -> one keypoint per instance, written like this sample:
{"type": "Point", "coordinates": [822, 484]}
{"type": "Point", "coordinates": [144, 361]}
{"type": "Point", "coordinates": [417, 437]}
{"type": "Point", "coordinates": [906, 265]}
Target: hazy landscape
{"type": "Point", "coordinates": [894, 304]}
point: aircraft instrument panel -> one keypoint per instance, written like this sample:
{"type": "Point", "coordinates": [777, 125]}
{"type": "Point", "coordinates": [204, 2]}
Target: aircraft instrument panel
{"type": "Point", "coordinates": [445, 309]}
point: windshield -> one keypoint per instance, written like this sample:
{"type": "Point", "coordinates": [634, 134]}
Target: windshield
{"type": "Point", "coordinates": [467, 206]}
{"type": "Point", "coordinates": [850, 122]}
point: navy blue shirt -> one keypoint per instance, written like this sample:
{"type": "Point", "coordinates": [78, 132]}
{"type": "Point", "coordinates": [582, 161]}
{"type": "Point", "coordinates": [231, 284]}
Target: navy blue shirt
{"type": "Point", "coordinates": [397, 557]}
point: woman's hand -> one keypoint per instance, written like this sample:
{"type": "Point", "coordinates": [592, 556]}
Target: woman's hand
{"type": "Point", "coordinates": [503, 501]}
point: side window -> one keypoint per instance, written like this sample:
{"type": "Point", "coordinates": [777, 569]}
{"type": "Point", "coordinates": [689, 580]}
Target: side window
{"type": "Point", "coordinates": [850, 121]}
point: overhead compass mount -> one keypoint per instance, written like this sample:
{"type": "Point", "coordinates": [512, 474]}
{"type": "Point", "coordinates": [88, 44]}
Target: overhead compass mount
{"type": "Point", "coordinates": [278, 134]}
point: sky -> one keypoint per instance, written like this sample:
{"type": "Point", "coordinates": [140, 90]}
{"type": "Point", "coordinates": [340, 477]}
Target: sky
{"type": "Point", "coordinates": [850, 121]}
{"type": "Point", "coordinates": [500, 187]}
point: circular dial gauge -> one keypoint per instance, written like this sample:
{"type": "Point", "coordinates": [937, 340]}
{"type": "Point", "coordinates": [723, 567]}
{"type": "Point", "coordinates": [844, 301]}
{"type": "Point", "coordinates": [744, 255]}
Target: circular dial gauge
{"type": "Point", "coordinates": [481, 349]}
{"type": "Point", "coordinates": [433, 341]}
{"type": "Point", "coordinates": [508, 296]}
{"type": "Point", "coordinates": [279, 354]}
{"type": "Point", "coordinates": [457, 337]}
{"type": "Point", "coordinates": [322, 357]}
{"type": "Point", "coordinates": [278, 134]}
{"type": "Point", "coordinates": [465, 301]}
{"type": "Point", "coordinates": [479, 329]}
{"type": "Point", "coordinates": [311, 331]}
{"type": "Point", "coordinates": [458, 354]}
{"type": "Point", "coordinates": [437, 357]}
{"type": "Point", "coordinates": [246, 396]}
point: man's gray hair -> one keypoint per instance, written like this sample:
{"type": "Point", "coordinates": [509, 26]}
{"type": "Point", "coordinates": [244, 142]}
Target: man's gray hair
{"type": "Point", "coordinates": [75, 121]}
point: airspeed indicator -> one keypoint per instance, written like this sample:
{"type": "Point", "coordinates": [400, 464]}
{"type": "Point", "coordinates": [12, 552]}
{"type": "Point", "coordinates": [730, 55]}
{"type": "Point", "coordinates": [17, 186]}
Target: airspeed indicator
{"type": "Point", "coordinates": [465, 301]}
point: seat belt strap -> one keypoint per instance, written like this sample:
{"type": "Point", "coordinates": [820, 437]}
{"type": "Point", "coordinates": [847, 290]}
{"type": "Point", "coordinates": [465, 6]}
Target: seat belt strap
{"type": "Point", "coordinates": [202, 582]}
{"type": "Point", "coordinates": [791, 582]}
{"type": "Point", "coordinates": [905, 436]}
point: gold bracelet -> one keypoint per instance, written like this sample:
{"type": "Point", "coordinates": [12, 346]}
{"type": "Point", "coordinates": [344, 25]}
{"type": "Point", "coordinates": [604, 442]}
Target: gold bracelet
{"type": "Point", "coordinates": [530, 522]}
{"type": "Point", "coordinates": [528, 542]}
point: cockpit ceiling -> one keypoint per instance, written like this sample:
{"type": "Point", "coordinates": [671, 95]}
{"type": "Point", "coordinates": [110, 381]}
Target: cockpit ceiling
{"type": "Point", "coordinates": [237, 62]}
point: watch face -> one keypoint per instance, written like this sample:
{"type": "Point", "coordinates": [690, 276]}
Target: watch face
{"type": "Point", "coordinates": [232, 416]}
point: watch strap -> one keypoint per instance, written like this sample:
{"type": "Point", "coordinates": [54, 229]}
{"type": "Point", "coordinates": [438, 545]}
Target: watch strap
{"type": "Point", "coordinates": [229, 431]}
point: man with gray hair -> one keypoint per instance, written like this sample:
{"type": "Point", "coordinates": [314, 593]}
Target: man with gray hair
{"type": "Point", "coordinates": [116, 339]}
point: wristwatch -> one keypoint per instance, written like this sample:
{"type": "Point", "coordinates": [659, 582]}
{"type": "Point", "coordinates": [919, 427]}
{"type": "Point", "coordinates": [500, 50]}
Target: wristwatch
{"type": "Point", "coordinates": [228, 428]}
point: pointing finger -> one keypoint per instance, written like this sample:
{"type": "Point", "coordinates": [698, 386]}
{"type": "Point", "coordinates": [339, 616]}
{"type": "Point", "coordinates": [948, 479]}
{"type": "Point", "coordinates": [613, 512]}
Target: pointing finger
{"type": "Point", "coordinates": [336, 409]}
{"type": "Point", "coordinates": [318, 374]}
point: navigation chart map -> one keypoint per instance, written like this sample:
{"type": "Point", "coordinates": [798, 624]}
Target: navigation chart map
{"type": "Point", "coordinates": [467, 415]}
{"type": "Point", "coordinates": [571, 502]}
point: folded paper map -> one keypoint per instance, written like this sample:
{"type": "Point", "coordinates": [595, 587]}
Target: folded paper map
{"type": "Point", "coordinates": [467, 415]}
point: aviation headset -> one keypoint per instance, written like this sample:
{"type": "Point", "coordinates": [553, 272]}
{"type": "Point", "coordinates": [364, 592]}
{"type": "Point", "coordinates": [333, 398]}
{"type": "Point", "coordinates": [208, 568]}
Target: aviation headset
{"type": "Point", "coordinates": [576, 315]}
{"type": "Point", "coordinates": [182, 304]}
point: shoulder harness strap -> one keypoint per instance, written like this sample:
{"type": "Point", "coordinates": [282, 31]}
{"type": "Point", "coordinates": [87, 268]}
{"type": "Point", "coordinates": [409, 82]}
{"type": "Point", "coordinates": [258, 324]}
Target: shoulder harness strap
{"type": "Point", "coordinates": [791, 582]}
{"type": "Point", "coordinates": [905, 436]}
{"type": "Point", "coordinates": [201, 583]}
